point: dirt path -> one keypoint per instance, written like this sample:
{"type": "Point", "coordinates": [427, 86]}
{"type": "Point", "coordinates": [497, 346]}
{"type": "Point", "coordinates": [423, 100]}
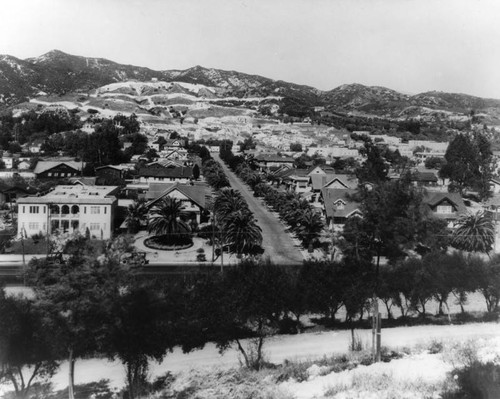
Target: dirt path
{"type": "Point", "coordinates": [277, 349]}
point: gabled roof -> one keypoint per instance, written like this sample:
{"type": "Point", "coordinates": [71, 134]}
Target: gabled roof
{"type": "Point", "coordinates": [332, 195]}
{"type": "Point", "coordinates": [84, 181]}
{"type": "Point", "coordinates": [318, 181]}
{"type": "Point", "coordinates": [435, 198]}
{"type": "Point", "coordinates": [180, 172]}
{"type": "Point", "coordinates": [196, 193]}
{"type": "Point", "coordinates": [43, 166]}
{"type": "Point", "coordinates": [347, 181]}
{"type": "Point", "coordinates": [326, 169]}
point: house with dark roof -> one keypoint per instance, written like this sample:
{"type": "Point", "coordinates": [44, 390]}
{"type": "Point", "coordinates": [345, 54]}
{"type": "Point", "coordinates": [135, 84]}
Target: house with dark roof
{"type": "Point", "coordinates": [424, 178]}
{"type": "Point", "coordinates": [194, 198]}
{"type": "Point", "coordinates": [268, 161]}
{"type": "Point", "coordinates": [58, 169]}
{"type": "Point", "coordinates": [445, 205]}
{"type": "Point", "coordinates": [157, 173]}
{"type": "Point", "coordinates": [110, 174]}
{"type": "Point", "coordinates": [339, 206]}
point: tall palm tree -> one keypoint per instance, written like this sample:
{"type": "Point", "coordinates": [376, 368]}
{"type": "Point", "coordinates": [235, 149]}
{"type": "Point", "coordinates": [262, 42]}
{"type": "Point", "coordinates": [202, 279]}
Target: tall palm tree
{"type": "Point", "coordinates": [475, 233]}
{"type": "Point", "coordinates": [136, 215]}
{"type": "Point", "coordinates": [310, 227]}
{"type": "Point", "coordinates": [165, 221]}
{"type": "Point", "coordinates": [227, 201]}
{"type": "Point", "coordinates": [241, 232]}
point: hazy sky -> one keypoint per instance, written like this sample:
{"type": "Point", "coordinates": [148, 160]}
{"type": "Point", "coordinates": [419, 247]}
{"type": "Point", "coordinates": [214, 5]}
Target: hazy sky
{"type": "Point", "coordinates": [407, 45]}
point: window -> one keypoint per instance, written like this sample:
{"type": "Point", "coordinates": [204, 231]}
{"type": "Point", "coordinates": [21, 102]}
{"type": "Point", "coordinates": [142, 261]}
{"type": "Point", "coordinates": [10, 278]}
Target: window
{"type": "Point", "coordinates": [94, 226]}
{"type": "Point", "coordinates": [444, 209]}
{"type": "Point", "coordinates": [34, 209]}
{"type": "Point", "coordinates": [339, 204]}
{"type": "Point", "coordinates": [105, 210]}
{"type": "Point", "coordinates": [49, 174]}
{"type": "Point", "coordinates": [33, 226]}
{"type": "Point", "coordinates": [95, 210]}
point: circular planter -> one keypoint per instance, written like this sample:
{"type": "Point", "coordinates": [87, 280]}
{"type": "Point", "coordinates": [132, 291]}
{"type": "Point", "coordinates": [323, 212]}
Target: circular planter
{"type": "Point", "coordinates": [155, 243]}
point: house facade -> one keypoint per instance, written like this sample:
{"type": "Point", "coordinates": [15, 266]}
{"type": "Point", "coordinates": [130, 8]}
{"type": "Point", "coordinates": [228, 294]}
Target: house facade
{"type": "Point", "coordinates": [192, 197]}
{"type": "Point", "coordinates": [68, 209]}
{"type": "Point", "coordinates": [58, 169]}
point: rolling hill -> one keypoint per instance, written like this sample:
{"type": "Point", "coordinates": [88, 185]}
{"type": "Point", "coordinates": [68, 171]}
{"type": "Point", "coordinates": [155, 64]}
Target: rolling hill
{"type": "Point", "coordinates": [59, 73]}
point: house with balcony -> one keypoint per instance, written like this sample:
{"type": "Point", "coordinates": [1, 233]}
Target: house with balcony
{"type": "Point", "coordinates": [69, 209]}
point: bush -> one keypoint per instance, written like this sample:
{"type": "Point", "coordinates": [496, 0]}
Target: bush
{"type": "Point", "coordinates": [477, 381]}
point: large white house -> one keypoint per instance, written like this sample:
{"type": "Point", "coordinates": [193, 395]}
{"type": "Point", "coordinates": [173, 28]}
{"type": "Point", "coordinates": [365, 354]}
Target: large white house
{"type": "Point", "coordinates": [69, 209]}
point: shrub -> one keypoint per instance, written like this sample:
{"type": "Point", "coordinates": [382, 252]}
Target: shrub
{"type": "Point", "coordinates": [477, 381]}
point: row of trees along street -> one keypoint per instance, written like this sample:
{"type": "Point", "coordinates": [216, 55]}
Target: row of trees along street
{"type": "Point", "coordinates": [95, 306]}
{"type": "Point", "coordinates": [395, 223]}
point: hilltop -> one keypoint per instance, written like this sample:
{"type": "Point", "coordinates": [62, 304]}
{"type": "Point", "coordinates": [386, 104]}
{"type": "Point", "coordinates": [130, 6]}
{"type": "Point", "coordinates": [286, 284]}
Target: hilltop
{"type": "Point", "coordinates": [58, 73]}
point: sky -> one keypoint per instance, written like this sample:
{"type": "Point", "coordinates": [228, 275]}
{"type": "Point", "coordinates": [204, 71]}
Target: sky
{"type": "Point", "coordinates": [411, 46]}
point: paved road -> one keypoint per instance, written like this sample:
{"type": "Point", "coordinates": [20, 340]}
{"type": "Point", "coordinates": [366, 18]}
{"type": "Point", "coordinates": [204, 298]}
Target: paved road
{"type": "Point", "coordinates": [277, 243]}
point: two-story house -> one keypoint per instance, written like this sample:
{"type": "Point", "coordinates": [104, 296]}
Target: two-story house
{"type": "Point", "coordinates": [70, 209]}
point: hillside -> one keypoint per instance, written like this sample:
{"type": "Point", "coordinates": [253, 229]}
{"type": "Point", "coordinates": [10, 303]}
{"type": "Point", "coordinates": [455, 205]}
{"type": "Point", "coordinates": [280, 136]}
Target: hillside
{"type": "Point", "coordinates": [59, 73]}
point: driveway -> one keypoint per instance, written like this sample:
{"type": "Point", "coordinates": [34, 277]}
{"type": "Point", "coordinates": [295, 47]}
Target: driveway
{"type": "Point", "coordinates": [277, 243]}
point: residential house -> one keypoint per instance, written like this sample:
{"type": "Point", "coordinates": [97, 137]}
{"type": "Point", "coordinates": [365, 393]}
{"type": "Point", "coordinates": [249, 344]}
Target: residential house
{"type": "Point", "coordinates": [424, 179]}
{"type": "Point", "coordinates": [157, 173]}
{"type": "Point", "coordinates": [339, 206]}
{"type": "Point", "coordinates": [69, 208]}
{"type": "Point", "coordinates": [110, 174]}
{"type": "Point", "coordinates": [58, 169]}
{"type": "Point", "coordinates": [9, 193]}
{"type": "Point", "coordinates": [268, 161]}
{"type": "Point", "coordinates": [444, 205]}
{"type": "Point", "coordinates": [193, 198]}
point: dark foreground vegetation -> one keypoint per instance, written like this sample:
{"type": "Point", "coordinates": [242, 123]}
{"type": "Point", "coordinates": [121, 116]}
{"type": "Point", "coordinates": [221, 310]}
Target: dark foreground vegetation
{"type": "Point", "coordinates": [94, 305]}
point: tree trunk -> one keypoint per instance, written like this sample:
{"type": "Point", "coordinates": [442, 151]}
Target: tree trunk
{"type": "Point", "coordinates": [242, 351]}
{"type": "Point", "coordinates": [71, 383]}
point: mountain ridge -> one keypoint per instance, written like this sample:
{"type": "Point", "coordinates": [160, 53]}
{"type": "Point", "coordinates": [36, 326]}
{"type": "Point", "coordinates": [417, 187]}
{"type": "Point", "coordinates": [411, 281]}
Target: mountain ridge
{"type": "Point", "coordinates": [57, 72]}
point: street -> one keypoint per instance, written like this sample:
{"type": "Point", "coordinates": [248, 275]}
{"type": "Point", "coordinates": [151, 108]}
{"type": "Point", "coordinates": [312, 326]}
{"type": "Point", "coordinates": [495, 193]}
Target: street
{"type": "Point", "coordinates": [277, 243]}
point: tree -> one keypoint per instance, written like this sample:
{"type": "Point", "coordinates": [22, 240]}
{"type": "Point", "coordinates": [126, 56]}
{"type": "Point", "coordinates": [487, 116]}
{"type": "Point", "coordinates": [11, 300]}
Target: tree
{"type": "Point", "coordinates": [27, 353]}
{"type": "Point", "coordinates": [136, 215]}
{"type": "Point", "coordinates": [434, 163]}
{"type": "Point", "coordinates": [71, 295]}
{"type": "Point", "coordinates": [196, 172]}
{"type": "Point", "coordinates": [139, 326]}
{"type": "Point", "coordinates": [468, 164]}
{"type": "Point", "coordinates": [247, 301]}
{"type": "Point", "coordinates": [166, 221]}
{"type": "Point", "coordinates": [296, 147]}
{"type": "Point", "coordinates": [375, 168]}
{"type": "Point", "coordinates": [241, 232]}
{"type": "Point", "coordinates": [310, 227]}
{"type": "Point", "coordinates": [474, 233]}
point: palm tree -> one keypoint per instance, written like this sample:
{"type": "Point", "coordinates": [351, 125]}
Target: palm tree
{"type": "Point", "coordinates": [310, 228]}
{"type": "Point", "coordinates": [241, 232]}
{"type": "Point", "coordinates": [227, 201]}
{"type": "Point", "coordinates": [475, 233]}
{"type": "Point", "coordinates": [166, 221]}
{"type": "Point", "coordinates": [136, 215]}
